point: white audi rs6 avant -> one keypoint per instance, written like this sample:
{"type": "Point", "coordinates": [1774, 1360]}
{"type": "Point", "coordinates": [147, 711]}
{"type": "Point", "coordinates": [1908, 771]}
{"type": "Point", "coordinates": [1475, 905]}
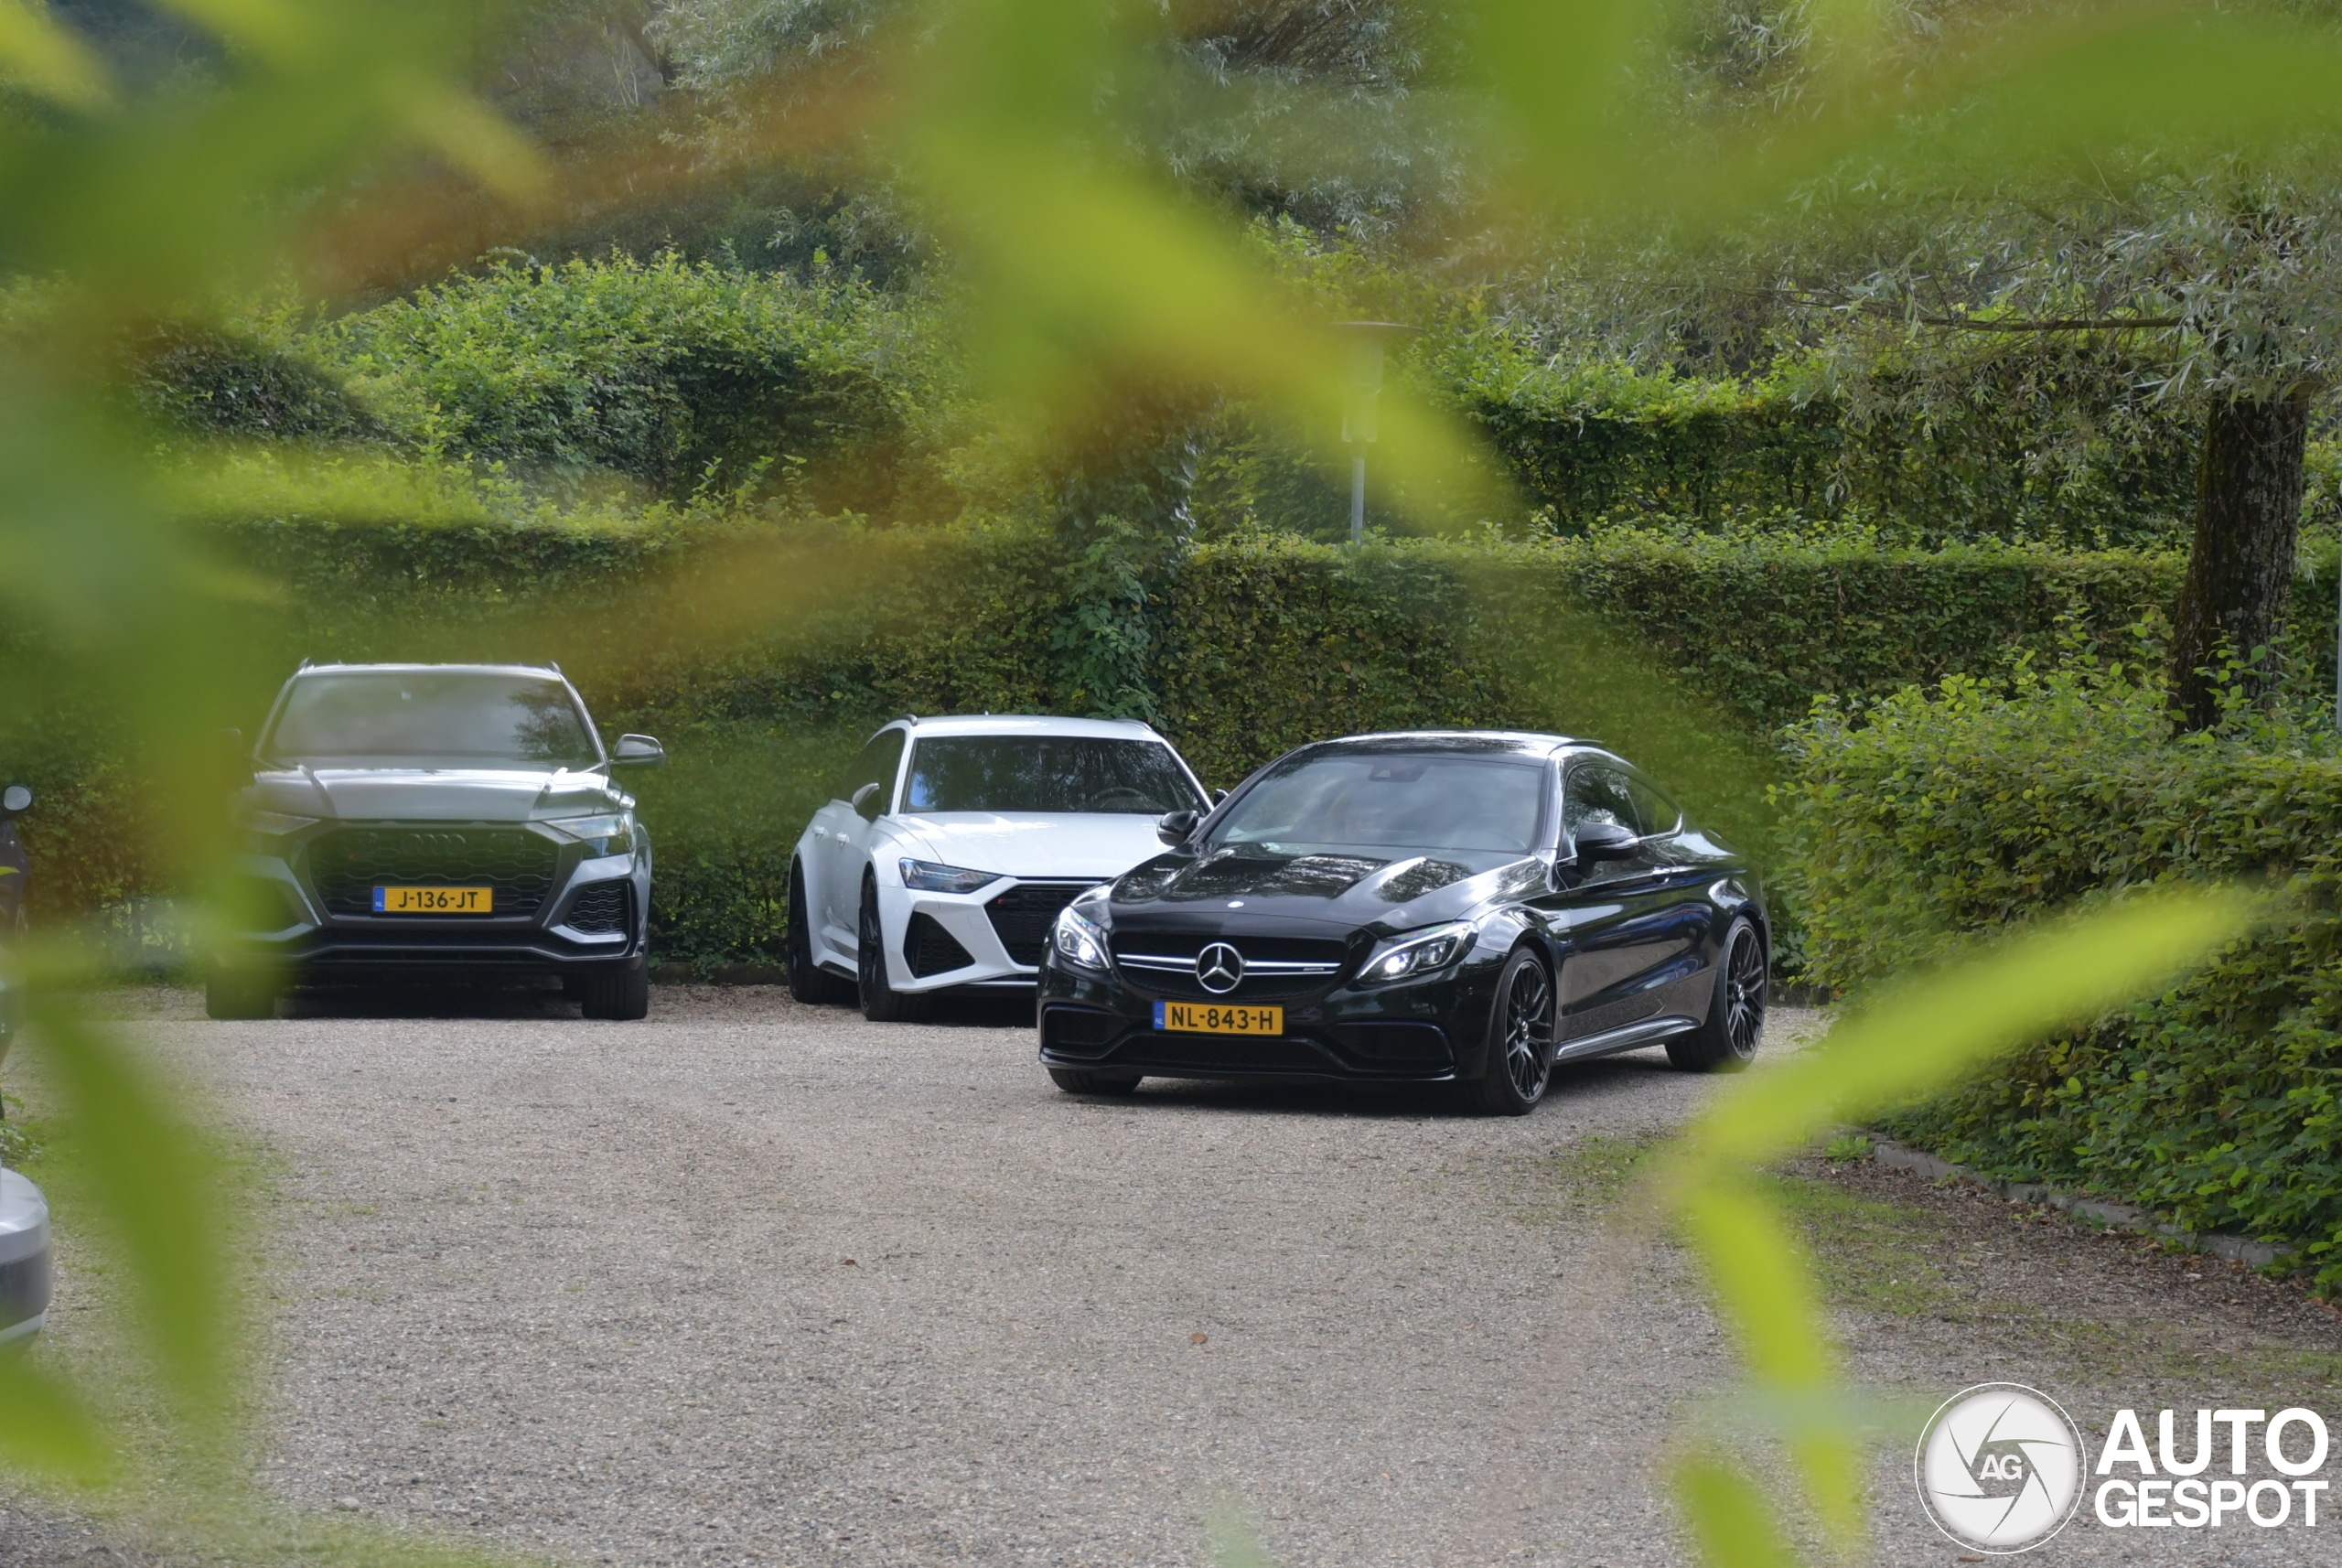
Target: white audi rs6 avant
{"type": "Point", "coordinates": [950, 845]}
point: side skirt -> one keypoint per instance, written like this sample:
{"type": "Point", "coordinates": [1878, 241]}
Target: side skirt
{"type": "Point", "coordinates": [1627, 1038]}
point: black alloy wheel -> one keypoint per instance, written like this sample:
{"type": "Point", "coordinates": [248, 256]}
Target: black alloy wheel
{"type": "Point", "coordinates": [881, 1002]}
{"type": "Point", "coordinates": [1074, 1080]}
{"type": "Point", "coordinates": [1521, 1038]}
{"type": "Point", "coordinates": [808, 981]}
{"type": "Point", "coordinates": [1727, 1040]}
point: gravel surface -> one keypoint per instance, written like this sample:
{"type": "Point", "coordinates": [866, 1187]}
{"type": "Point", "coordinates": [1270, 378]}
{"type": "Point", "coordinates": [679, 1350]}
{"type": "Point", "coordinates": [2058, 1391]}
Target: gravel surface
{"type": "Point", "coordinates": [757, 1283]}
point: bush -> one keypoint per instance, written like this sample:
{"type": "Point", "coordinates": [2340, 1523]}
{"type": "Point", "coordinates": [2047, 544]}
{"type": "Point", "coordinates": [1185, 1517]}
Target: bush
{"type": "Point", "coordinates": [1591, 442]}
{"type": "Point", "coordinates": [1977, 806]}
{"type": "Point", "coordinates": [686, 376]}
{"type": "Point", "coordinates": [775, 648]}
{"type": "Point", "coordinates": [209, 381]}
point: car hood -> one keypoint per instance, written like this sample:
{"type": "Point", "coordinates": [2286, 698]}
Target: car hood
{"type": "Point", "coordinates": [433, 794]}
{"type": "Point", "coordinates": [1249, 888]}
{"type": "Point", "coordinates": [1032, 844]}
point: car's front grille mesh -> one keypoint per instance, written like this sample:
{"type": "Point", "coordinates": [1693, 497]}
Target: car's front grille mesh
{"type": "Point", "coordinates": [346, 864]}
{"type": "Point", "coordinates": [1022, 916]}
{"type": "Point", "coordinates": [1145, 959]}
{"type": "Point", "coordinates": [599, 907]}
{"type": "Point", "coordinates": [930, 949]}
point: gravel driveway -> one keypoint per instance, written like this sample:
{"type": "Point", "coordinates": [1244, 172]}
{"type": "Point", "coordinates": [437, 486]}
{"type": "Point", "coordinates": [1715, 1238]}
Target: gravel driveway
{"type": "Point", "coordinates": [757, 1283]}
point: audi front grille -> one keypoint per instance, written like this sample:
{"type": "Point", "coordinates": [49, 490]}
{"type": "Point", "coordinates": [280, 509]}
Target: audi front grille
{"type": "Point", "coordinates": [1023, 916]}
{"type": "Point", "coordinates": [346, 864]}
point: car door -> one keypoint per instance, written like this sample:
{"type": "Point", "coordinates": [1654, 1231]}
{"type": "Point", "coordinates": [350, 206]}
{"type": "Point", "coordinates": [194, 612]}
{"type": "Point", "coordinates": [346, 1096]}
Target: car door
{"type": "Point", "coordinates": [847, 847]}
{"type": "Point", "coordinates": [1619, 920]}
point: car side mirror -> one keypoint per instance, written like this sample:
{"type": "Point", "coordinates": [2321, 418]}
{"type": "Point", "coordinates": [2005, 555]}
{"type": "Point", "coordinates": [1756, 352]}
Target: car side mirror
{"type": "Point", "coordinates": [866, 801]}
{"type": "Point", "coordinates": [1603, 841]}
{"type": "Point", "coordinates": [637, 751]}
{"type": "Point", "coordinates": [1177, 828]}
{"type": "Point", "coordinates": [16, 800]}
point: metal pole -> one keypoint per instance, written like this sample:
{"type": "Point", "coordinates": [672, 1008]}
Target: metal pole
{"type": "Point", "coordinates": [1358, 510]}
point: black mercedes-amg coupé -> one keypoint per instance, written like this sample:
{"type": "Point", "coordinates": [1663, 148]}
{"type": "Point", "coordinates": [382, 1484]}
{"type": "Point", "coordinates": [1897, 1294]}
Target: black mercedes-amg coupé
{"type": "Point", "coordinates": [1464, 906]}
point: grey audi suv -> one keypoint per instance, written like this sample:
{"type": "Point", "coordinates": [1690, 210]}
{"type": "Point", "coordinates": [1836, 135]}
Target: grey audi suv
{"type": "Point", "coordinates": [437, 821]}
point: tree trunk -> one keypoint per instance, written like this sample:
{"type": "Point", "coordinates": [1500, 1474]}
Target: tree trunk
{"type": "Point", "coordinates": [2240, 572]}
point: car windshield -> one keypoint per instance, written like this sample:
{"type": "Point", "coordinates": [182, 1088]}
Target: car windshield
{"type": "Point", "coordinates": [1330, 802]}
{"type": "Point", "coordinates": [466, 718]}
{"type": "Point", "coordinates": [1046, 773]}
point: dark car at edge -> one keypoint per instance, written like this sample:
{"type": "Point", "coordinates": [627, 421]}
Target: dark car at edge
{"type": "Point", "coordinates": [1444, 906]}
{"type": "Point", "coordinates": [437, 821]}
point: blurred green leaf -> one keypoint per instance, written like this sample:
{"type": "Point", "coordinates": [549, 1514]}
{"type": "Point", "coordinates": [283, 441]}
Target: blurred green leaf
{"type": "Point", "coordinates": [46, 1432]}
{"type": "Point", "coordinates": [1732, 1523]}
{"type": "Point", "coordinates": [1924, 1032]}
{"type": "Point", "coordinates": [1916, 1036]}
{"type": "Point", "coordinates": [1234, 1543]}
{"type": "Point", "coordinates": [41, 58]}
{"type": "Point", "coordinates": [1763, 1279]}
{"type": "Point", "coordinates": [153, 1185]}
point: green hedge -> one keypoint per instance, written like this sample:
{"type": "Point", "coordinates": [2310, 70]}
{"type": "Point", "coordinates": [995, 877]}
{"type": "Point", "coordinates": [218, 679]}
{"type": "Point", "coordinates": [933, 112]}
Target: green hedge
{"type": "Point", "coordinates": [685, 376]}
{"type": "Point", "coordinates": [760, 654]}
{"type": "Point", "coordinates": [1591, 442]}
{"type": "Point", "coordinates": [1975, 806]}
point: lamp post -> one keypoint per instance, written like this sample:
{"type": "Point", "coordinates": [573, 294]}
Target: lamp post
{"type": "Point", "coordinates": [1361, 387]}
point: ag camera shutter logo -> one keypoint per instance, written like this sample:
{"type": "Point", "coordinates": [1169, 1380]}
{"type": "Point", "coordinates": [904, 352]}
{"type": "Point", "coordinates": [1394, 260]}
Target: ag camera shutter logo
{"type": "Point", "coordinates": [1999, 1467]}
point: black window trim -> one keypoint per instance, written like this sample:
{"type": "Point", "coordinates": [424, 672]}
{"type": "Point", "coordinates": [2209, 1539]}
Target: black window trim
{"type": "Point", "coordinates": [1203, 801]}
{"type": "Point", "coordinates": [902, 757]}
{"type": "Point", "coordinates": [1585, 759]}
{"type": "Point", "coordinates": [267, 735]}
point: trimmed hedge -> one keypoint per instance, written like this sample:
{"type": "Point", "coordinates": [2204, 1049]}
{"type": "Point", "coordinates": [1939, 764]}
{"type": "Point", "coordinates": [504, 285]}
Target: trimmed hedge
{"type": "Point", "coordinates": [1975, 806]}
{"type": "Point", "coordinates": [774, 650]}
{"type": "Point", "coordinates": [685, 376]}
{"type": "Point", "coordinates": [1591, 442]}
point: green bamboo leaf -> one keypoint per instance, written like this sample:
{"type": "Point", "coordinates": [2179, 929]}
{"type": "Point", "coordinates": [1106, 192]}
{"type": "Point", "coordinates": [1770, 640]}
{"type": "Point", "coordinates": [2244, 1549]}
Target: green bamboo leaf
{"type": "Point", "coordinates": [1234, 1543]}
{"type": "Point", "coordinates": [1923, 1034]}
{"type": "Point", "coordinates": [149, 1173]}
{"type": "Point", "coordinates": [46, 1430]}
{"type": "Point", "coordinates": [474, 138]}
{"type": "Point", "coordinates": [39, 56]}
{"type": "Point", "coordinates": [278, 30]}
{"type": "Point", "coordinates": [1764, 1287]}
{"type": "Point", "coordinates": [1732, 1523]}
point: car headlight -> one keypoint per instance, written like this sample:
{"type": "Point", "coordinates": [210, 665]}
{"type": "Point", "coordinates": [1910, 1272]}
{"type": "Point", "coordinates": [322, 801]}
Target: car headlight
{"type": "Point", "coordinates": [263, 829]}
{"type": "Point", "coordinates": [612, 834]}
{"type": "Point", "coordinates": [1080, 939]}
{"type": "Point", "coordinates": [928, 877]}
{"type": "Point", "coordinates": [1417, 953]}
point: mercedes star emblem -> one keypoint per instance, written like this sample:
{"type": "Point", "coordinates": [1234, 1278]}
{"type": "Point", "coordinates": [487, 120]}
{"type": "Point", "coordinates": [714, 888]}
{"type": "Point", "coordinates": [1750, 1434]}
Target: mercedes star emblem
{"type": "Point", "coordinates": [1219, 968]}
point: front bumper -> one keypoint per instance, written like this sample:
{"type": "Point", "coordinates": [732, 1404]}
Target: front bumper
{"type": "Point", "coordinates": [991, 939]}
{"type": "Point", "coordinates": [25, 1258]}
{"type": "Point", "coordinates": [1430, 1031]}
{"type": "Point", "coordinates": [287, 924]}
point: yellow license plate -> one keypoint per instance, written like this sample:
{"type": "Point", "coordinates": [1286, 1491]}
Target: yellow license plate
{"type": "Point", "coordinates": [1217, 1018]}
{"type": "Point", "coordinates": [434, 901]}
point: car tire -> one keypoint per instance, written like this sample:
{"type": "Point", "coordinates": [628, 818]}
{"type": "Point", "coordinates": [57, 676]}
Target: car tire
{"type": "Point", "coordinates": [881, 1002]}
{"type": "Point", "coordinates": [239, 994]}
{"type": "Point", "coordinates": [1075, 1081]}
{"type": "Point", "coordinates": [1726, 1040]}
{"type": "Point", "coordinates": [1521, 1038]}
{"type": "Point", "coordinates": [808, 981]}
{"type": "Point", "coordinates": [617, 992]}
